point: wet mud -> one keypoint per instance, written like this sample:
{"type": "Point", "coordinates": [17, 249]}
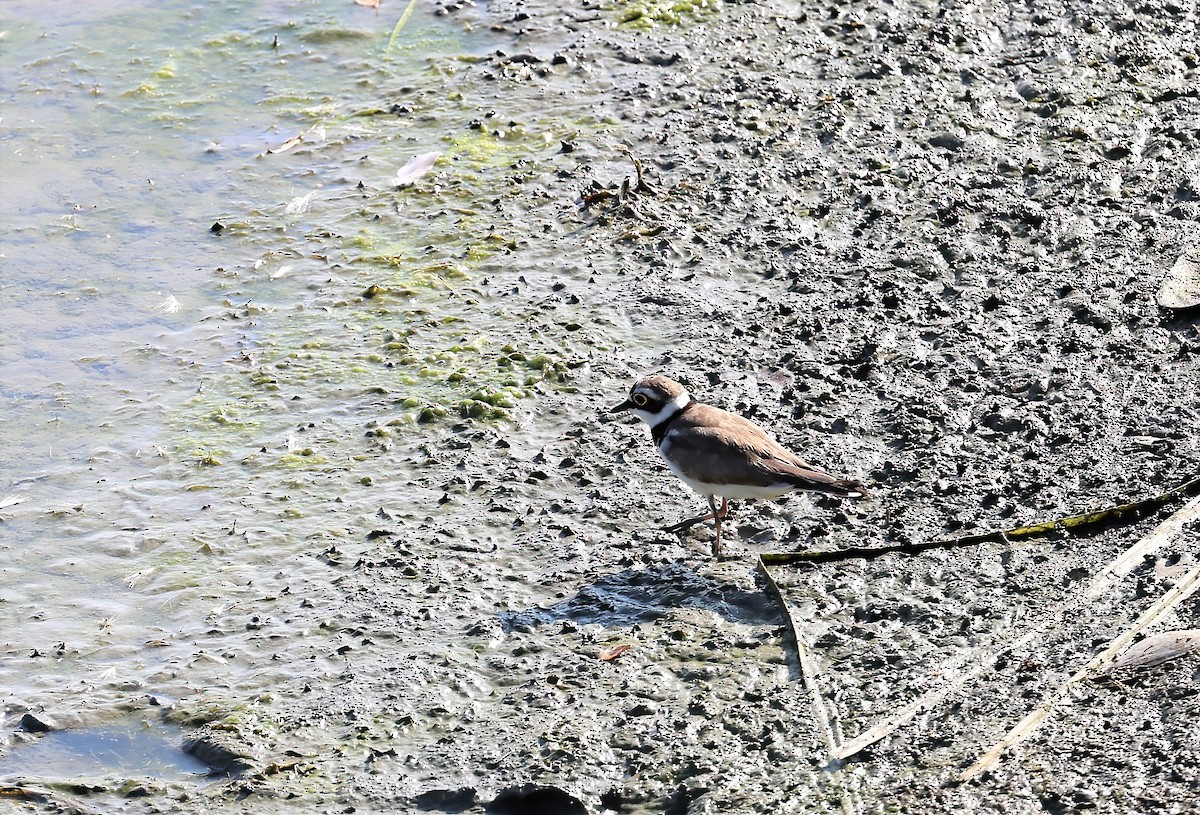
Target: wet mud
{"type": "Point", "coordinates": [921, 243]}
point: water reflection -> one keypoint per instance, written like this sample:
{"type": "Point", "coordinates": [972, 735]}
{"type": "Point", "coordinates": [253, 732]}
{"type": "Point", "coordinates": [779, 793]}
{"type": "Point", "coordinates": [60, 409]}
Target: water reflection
{"type": "Point", "coordinates": [143, 750]}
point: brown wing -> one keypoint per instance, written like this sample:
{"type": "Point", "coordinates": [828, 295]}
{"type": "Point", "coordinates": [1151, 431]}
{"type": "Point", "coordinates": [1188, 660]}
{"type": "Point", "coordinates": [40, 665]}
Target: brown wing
{"type": "Point", "coordinates": [718, 447]}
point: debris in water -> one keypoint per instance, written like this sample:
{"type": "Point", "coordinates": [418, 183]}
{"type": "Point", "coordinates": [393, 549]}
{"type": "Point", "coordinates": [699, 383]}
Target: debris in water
{"type": "Point", "coordinates": [410, 173]}
{"type": "Point", "coordinates": [313, 134]}
{"type": "Point", "coordinates": [299, 204]}
{"type": "Point", "coordinates": [169, 306]}
{"type": "Point", "coordinates": [11, 500]}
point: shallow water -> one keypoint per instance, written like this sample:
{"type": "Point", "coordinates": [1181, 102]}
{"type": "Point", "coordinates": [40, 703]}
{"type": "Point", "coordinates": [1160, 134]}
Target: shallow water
{"type": "Point", "coordinates": [128, 750]}
{"type": "Point", "coordinates": [163, 385]}
{"type": "Point", "coordinates": [119, 155]}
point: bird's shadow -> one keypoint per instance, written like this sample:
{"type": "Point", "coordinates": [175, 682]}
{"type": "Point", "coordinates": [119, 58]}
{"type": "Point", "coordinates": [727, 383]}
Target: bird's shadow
{"type": "Point", "coordinates": [632, 596]}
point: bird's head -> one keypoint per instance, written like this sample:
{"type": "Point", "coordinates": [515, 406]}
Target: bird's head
{"type": "Point", "coordinates": [655, 398]}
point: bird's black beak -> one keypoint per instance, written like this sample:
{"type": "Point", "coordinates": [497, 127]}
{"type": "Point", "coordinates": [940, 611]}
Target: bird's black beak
{"type": "Point", "coordinates": [626, 405]}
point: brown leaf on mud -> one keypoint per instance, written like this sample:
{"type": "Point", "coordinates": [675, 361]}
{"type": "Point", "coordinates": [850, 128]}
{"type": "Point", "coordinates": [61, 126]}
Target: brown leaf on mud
{"type": "Point", "coordinates": [609, 654]}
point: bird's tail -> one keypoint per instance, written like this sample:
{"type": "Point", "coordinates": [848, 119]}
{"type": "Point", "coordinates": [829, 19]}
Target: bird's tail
{"type": "Point", "coordinates": [828, 483]}
{"type": "Point", "coordinates": [846, 488]}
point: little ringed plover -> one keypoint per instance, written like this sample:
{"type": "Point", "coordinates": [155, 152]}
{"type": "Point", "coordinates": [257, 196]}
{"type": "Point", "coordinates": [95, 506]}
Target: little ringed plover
{"type": "Point", "coordinates": [718, 453]}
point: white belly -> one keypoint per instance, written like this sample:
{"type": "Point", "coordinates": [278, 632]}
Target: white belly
{"type": "Point", "coordinates": [734, 492]}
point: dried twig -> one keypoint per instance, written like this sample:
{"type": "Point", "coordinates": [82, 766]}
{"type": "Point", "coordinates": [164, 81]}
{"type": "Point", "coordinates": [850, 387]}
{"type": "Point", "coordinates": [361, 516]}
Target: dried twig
{"type": "Point", "coordinates": [979, 660]}
{"type": "Point", "coordinates": [627, 189]}
{"type": "Point", "coordinates": [641, 185]}
{"type": "Point", "coordinates": [1162, 535]}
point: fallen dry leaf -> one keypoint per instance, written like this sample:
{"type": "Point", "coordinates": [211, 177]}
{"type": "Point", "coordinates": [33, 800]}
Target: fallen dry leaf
{"type": "Point", "coordinates": [1181, 288]}
{"type": "Point", "coordinates": [609, 654]}
{"type": "Point", "coordinates": [1159, 649]}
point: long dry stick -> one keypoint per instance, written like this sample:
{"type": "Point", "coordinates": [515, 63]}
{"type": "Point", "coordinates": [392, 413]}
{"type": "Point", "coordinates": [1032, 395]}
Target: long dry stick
{"type": "Point", "coordinates": [979, 660]}
{"type": "Point", "coordinates": [1162, 535]}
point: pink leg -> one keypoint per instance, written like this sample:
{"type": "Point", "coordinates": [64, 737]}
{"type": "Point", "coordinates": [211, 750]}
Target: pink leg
{"type": "Point", "coordinates": [718, 516]}
{"type": "Point", "coordinates": [714, 514]}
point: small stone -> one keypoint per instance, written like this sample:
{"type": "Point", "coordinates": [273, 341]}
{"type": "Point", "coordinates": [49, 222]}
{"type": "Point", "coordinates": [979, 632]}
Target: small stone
{"type": "Point", "coordinates": [33, 724]}
{"type": "Point", "coordinates": [642, 709]}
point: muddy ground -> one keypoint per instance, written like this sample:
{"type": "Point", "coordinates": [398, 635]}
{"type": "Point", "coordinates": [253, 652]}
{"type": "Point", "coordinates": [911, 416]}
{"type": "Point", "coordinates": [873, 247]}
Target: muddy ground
{"type": "Point", "coordinates": [919, 241]}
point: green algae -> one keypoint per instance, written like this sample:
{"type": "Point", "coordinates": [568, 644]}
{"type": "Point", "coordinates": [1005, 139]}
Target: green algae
{"type": "Point", "coordinates": [391, 320]}
{"type": "Point", "coordinates": [646, 14]}
{"type": "Point", "coordinates": [304, 458]}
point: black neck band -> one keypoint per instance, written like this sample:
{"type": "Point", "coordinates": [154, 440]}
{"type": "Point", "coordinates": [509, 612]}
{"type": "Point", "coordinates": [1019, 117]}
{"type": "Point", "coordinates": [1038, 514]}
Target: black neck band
{"type": "Point", "coordinates": [659, 431]}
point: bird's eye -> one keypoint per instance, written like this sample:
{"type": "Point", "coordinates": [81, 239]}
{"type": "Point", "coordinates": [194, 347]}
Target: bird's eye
{"type": "Point", "coordinates": [640, 399]}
